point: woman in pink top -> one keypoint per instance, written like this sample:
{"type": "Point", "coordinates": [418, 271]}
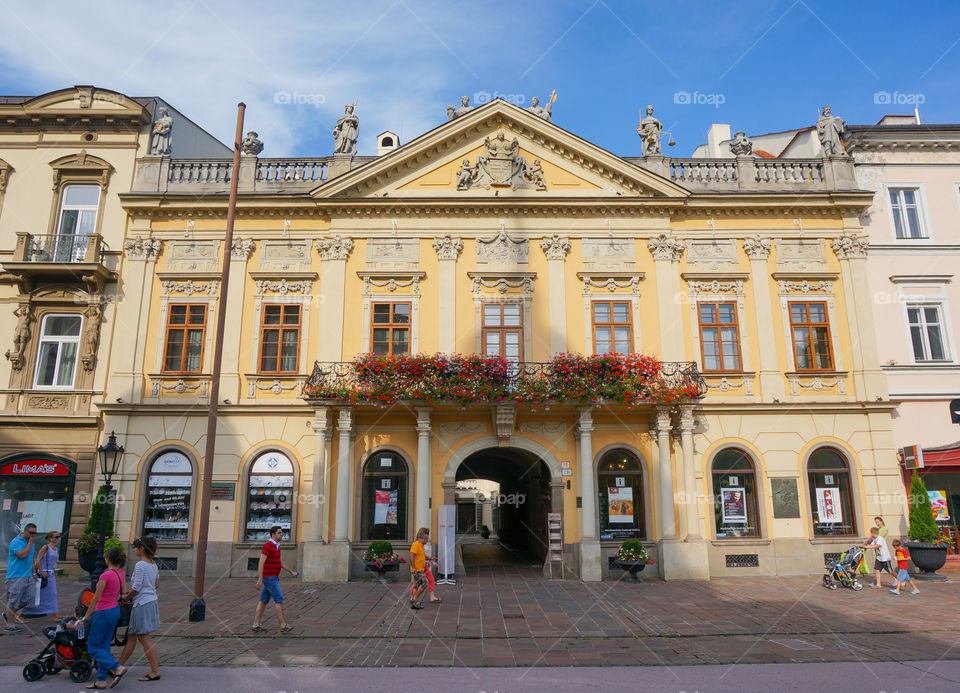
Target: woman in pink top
{"type": "Point", "coordinates": [103, 614]}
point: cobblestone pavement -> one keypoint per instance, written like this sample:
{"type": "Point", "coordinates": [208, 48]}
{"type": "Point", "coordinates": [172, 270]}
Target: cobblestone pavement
{"type": "Point", "coordinates": [504, 616]}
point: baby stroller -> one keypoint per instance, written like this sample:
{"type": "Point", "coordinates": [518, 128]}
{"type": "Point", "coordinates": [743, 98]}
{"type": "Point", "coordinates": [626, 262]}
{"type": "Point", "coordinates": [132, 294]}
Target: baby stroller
{"type": "Point", "coordinates": [66, 649]}
{"type": "Point", "coordinates": [844, 570]}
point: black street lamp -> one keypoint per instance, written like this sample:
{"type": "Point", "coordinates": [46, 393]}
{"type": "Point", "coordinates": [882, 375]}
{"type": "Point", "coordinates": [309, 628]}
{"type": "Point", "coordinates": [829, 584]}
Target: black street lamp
{"type": "Point", "coordinates": [110, 455]}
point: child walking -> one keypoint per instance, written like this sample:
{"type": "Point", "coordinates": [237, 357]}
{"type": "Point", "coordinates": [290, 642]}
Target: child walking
{"type": "Point", "coordinates": [903, 576]}
{"type": "Point", "coordinates": [882, 561]}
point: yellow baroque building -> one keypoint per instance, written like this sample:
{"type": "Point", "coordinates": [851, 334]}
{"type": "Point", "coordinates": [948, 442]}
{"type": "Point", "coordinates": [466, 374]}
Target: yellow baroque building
{"type": "Point", "coordinates": [749, 274]}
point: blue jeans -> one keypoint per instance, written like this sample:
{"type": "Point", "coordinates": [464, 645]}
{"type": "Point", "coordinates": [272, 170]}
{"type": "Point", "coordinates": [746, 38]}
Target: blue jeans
{"type": "Point", "coordinates": [102, 626]}
{"type": "Point", "coordinates": [271, 590]}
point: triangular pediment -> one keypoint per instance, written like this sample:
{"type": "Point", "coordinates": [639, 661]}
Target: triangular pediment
{"type": "Point", "coordinates": [501, 150]}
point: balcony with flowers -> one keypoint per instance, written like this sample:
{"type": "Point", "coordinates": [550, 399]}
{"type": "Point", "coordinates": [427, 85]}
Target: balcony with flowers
{"type": "Point", "coordinates": [621, 380]}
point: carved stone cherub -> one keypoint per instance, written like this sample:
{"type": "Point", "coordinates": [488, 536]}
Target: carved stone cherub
{"type": "Point", "coordinates": [465, 177]}
{"type": "Point", "coordinates": [535, 174]}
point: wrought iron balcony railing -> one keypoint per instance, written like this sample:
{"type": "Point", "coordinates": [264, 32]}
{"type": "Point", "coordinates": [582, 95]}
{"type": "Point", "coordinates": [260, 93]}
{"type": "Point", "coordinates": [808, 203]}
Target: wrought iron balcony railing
{"type": "Point", "coordinates": [59, 248]}
{"type": "Point", "coordinates": [523, 381]}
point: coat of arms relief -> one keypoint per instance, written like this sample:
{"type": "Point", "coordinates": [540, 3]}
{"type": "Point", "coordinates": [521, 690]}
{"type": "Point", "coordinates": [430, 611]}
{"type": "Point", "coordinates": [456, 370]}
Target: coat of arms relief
{"type": "Point", "coordinates": [501, 166]}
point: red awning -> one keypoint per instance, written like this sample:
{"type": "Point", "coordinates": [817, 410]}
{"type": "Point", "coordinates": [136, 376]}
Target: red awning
{"type": "Point", "coordinates": [949, 457]}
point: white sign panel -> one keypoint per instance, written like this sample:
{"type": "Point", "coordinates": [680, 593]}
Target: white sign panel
{"type": "Point", "coordinates": [828, 505]}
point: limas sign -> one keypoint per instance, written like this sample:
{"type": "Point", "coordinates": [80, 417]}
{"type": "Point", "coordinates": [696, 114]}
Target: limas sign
{"type": "Point", "coordinates": [35, 468]}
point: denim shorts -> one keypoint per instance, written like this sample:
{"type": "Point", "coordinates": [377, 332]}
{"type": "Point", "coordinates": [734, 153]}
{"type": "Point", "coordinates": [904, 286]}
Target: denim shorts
{"type": "Point", "coordinates": [902, 575]}
{"type": "Point", "coordinates": [271, 590]}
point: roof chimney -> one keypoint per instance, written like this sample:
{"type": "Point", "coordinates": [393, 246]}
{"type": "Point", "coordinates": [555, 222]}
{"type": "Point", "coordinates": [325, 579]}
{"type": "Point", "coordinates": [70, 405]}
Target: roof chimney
{"type": "Point", "coordinates": [386, 142]}
{"type": "Point", "coordinates": [717, 135]}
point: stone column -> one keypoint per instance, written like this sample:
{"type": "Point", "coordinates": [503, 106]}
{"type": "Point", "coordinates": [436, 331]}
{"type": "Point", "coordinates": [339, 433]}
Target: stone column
{"type": "Point", "coordinates": [590, 566]}
{"type": "Point", "coordinates": [556, 249]}
{"type": "Point", "coordinates": [341, 528]}
{"type": "Point", "coordinates": [334, 251]}
{"type": "Point", "coordinates": [318, 519]}
{"type": "Point", "coordinates": [230, 378]}
{"type": "Point", "coordinates": [667, 251]}
{"type": "Point", "coordinates": [689, 496]}
{"type": "Point", "coordinates": [771, 379]}
{"type": "Point", "coordinates": [448, 249]}
{"type": "Point", "coordinates": [424, 434]}
{"type": "Point", "coordinates": [668, 522]}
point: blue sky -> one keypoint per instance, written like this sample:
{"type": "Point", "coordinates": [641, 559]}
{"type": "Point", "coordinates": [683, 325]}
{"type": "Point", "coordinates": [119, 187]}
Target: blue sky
{"type": "Point", "coordinates": [760, 66]}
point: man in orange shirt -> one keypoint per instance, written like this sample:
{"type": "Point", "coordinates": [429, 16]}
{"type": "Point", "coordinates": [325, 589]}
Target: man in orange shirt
{"type": "Point", "coordinates": [418, 567]}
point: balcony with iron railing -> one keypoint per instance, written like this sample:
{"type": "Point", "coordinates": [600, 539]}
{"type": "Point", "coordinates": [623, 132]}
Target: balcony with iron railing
{"type": "Point", "coordinates": [618, 380]}
{"type": "Point", "coordinates": [62, 257]}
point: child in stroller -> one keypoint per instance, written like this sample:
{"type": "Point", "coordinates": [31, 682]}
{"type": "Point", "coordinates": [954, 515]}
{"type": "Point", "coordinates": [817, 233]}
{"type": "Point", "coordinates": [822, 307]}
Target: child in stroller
{"type": "Point", "coordinates": [844, 570]}
{"type": "Point", "coordinates": [66, 647]}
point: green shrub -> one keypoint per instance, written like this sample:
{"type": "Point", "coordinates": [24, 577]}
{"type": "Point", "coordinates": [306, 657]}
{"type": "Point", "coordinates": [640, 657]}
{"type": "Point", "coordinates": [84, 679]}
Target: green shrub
{"type": "Point", "coordinates": [87, 542]}
{"type": "Point", "coordinates": [96, 509]}
{"type": "Point", "coordinates": [378, 549]}
{"type": "Point", "coordinates": [923, 526]}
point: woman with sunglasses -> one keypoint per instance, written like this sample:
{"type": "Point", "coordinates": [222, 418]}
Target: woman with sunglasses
{"type": "Point", "coordinates": [44, 566]}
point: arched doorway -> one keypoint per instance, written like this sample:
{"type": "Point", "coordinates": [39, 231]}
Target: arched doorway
{"type": "Point", "coordinates": [509, 490]}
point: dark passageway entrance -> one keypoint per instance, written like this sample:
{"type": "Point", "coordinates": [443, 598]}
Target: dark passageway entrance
{"type": "Point", "coordinates": [520, 508]}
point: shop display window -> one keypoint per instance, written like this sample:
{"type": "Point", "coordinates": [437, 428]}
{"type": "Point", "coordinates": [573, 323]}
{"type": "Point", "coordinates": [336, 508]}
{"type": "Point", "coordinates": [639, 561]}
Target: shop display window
{"type": "Point", "coordinates": [831, 505]}
{"type": "Point", "coordinates": [620, 488]}
{"type": "Point", "coordinates": [734, 495]}
{"type": "Point", "coordinates": [270, 497]}
{"type": "Point", "coordinates": [384, 507]}
{"type": "Point", "coordinates": [169, 492]}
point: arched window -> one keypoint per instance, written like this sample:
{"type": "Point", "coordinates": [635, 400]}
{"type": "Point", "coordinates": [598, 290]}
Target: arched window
{"type": "Point", "coordinates": [831, 504]}
{"type": "Point", "coordinates": [384, 498]}
{"type": "Point", "coordinates": [734, 495]}
{"type": "Point", "coordinates": [620, 487]}
{"type": "Point", "coordinates": [169, 491]}
{"type": "Point", "coordinates": [270, 496]}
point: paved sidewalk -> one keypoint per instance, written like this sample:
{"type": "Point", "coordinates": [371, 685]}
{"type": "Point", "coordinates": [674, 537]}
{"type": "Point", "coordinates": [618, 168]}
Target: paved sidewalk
{"type": "Point", "coordinates": [841, 677]}
{"type": "Point", "coordinates": [504, 616]}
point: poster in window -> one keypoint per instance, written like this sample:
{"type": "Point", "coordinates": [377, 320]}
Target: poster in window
{"type": "Point", "coordinates": [734, 505]}
{"type": "Point", "coordinates": [620, 504]}
{"type": "Point", "coordinates": [828, 505]}
{"type": "Point", "coordinates": [938, 502]}
{"type": "Point", "coordinates": [385, 507]}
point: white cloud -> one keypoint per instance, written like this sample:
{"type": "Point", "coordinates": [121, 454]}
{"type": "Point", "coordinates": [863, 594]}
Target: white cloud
{"type": "Point", "coordinates": [402, 59]}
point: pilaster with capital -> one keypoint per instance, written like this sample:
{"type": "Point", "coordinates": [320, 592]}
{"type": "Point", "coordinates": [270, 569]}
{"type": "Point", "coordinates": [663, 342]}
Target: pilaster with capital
{"type": "Point", "coordinates": [345, 501]}
{"type": "Point", "coordinates": [667, 251]}
{"type": "Point", "coordinates": [448, 250]}
{"type": "Point", "coordinates": [334, 251]}
{"type": "Point", "coordinates": [424, 435]}
{"type": "Point", "coordinates": [771, 380]}
{"type": "Point", "coordinates": [556, 249]}
{"type": "Point", "coordinates": [668, 520]}
{"type": "Point", "coordinates": [230, 385]}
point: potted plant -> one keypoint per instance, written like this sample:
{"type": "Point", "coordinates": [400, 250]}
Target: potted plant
{"type": "Point", "coordinates": [380, 558]}
{"type": "Point", "coordinates": [86, 545]}
{"type": "Point", "coordinates": [927, 547]}
{"type": "Point", "coordinates": [632, 558]}
{"type": "Point", "coordinates": [484, 532]}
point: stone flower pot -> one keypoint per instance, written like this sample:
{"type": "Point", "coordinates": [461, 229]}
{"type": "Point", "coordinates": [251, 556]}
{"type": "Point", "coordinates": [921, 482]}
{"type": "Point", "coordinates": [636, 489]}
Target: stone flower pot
{"type": "Point", "coordinates": [382, 567]}
{"type": "Point", "coordinates": [928, 558]}
{"type": "Point", "coordinates": [631, 567]}
{"type": "Point", "coordinates": [87, 560]}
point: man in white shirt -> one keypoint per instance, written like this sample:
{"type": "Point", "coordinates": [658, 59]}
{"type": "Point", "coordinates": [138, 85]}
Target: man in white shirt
{"type": "Point", "coordinates": [882, 561]}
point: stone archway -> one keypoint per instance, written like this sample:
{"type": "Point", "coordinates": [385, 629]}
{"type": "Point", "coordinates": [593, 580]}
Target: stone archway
{"type": "Point", "coordinates": [531, 486]}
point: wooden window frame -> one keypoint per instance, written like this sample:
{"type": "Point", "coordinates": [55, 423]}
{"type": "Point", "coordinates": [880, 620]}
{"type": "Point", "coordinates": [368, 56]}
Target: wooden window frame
{"type": "Point", "coordinates": [184, 327]}
{"type": "Point", "coordinates": [810, 343]}
{"type": "Point", "coordinates": [392, 325]}
{"type": "Point", "coordinates": [594, 325]}
{"type": "Point", "coordinates": [501, 329]}
{"type": "Point", "coordinates": [281, 327]}
{"type": "Point", "coordinates": [718, 325]}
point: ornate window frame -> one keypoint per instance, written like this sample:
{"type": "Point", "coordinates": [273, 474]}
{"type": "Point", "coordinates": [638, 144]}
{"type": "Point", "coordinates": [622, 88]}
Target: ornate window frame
{"type": "Point", "coordinates": [204, 292]}
{"type": "Point", "coordinates": [613, 283]}
{"type": "Point", "coordinates": [379, 287]}
{"type": "Point", "coordinates": [725, 288]}
{"type": "Point", "coordinates": [78, 169]}
{"type": "Point", "coordinates": [809, 287]}
{"type": "Point", "coordinates": [507, 284]}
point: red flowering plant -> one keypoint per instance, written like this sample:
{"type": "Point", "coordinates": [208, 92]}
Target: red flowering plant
{"type": "Point", "coordinates": [380, 553]}
{"type": "Point", "coordinates": [632, 551]}
{"type": "Point", "coordinates": [624, 379]}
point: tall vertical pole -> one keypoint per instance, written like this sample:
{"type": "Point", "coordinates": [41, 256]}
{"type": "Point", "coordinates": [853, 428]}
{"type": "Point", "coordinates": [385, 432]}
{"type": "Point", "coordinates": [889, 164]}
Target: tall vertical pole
{"type": "Point", "coordinates": [197, 606]}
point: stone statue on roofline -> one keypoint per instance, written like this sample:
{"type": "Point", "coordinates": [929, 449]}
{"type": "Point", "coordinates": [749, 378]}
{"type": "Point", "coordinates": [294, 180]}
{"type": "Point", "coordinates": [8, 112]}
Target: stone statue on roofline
{"type": "Point", "coordinates": [649, 132]}
{"type": "Point", "coordinates": [830, 131]}
{"type": "Point", "coordinates": [346, 131]}
{"type": "Point", "coordinates": [251, 145]}
{"type": "Point", "coordinates": [545, 112]}
{"type": "Point", "coordinates": [465, 108]}
{"type": "Point", "coordinates": [741, 145]}
{"type": "Point", "coordinates": [162, 136]}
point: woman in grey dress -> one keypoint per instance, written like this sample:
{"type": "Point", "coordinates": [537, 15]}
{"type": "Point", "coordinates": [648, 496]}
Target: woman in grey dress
{"type": "Point", "coordinates": [145, 617]}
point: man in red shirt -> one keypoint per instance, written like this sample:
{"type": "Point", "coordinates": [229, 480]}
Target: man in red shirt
{"type": "Point", "coordinates": [268, 580]}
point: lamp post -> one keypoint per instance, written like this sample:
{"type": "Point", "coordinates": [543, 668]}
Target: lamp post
{"type": "Point", "coordinates": [110, 455]}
